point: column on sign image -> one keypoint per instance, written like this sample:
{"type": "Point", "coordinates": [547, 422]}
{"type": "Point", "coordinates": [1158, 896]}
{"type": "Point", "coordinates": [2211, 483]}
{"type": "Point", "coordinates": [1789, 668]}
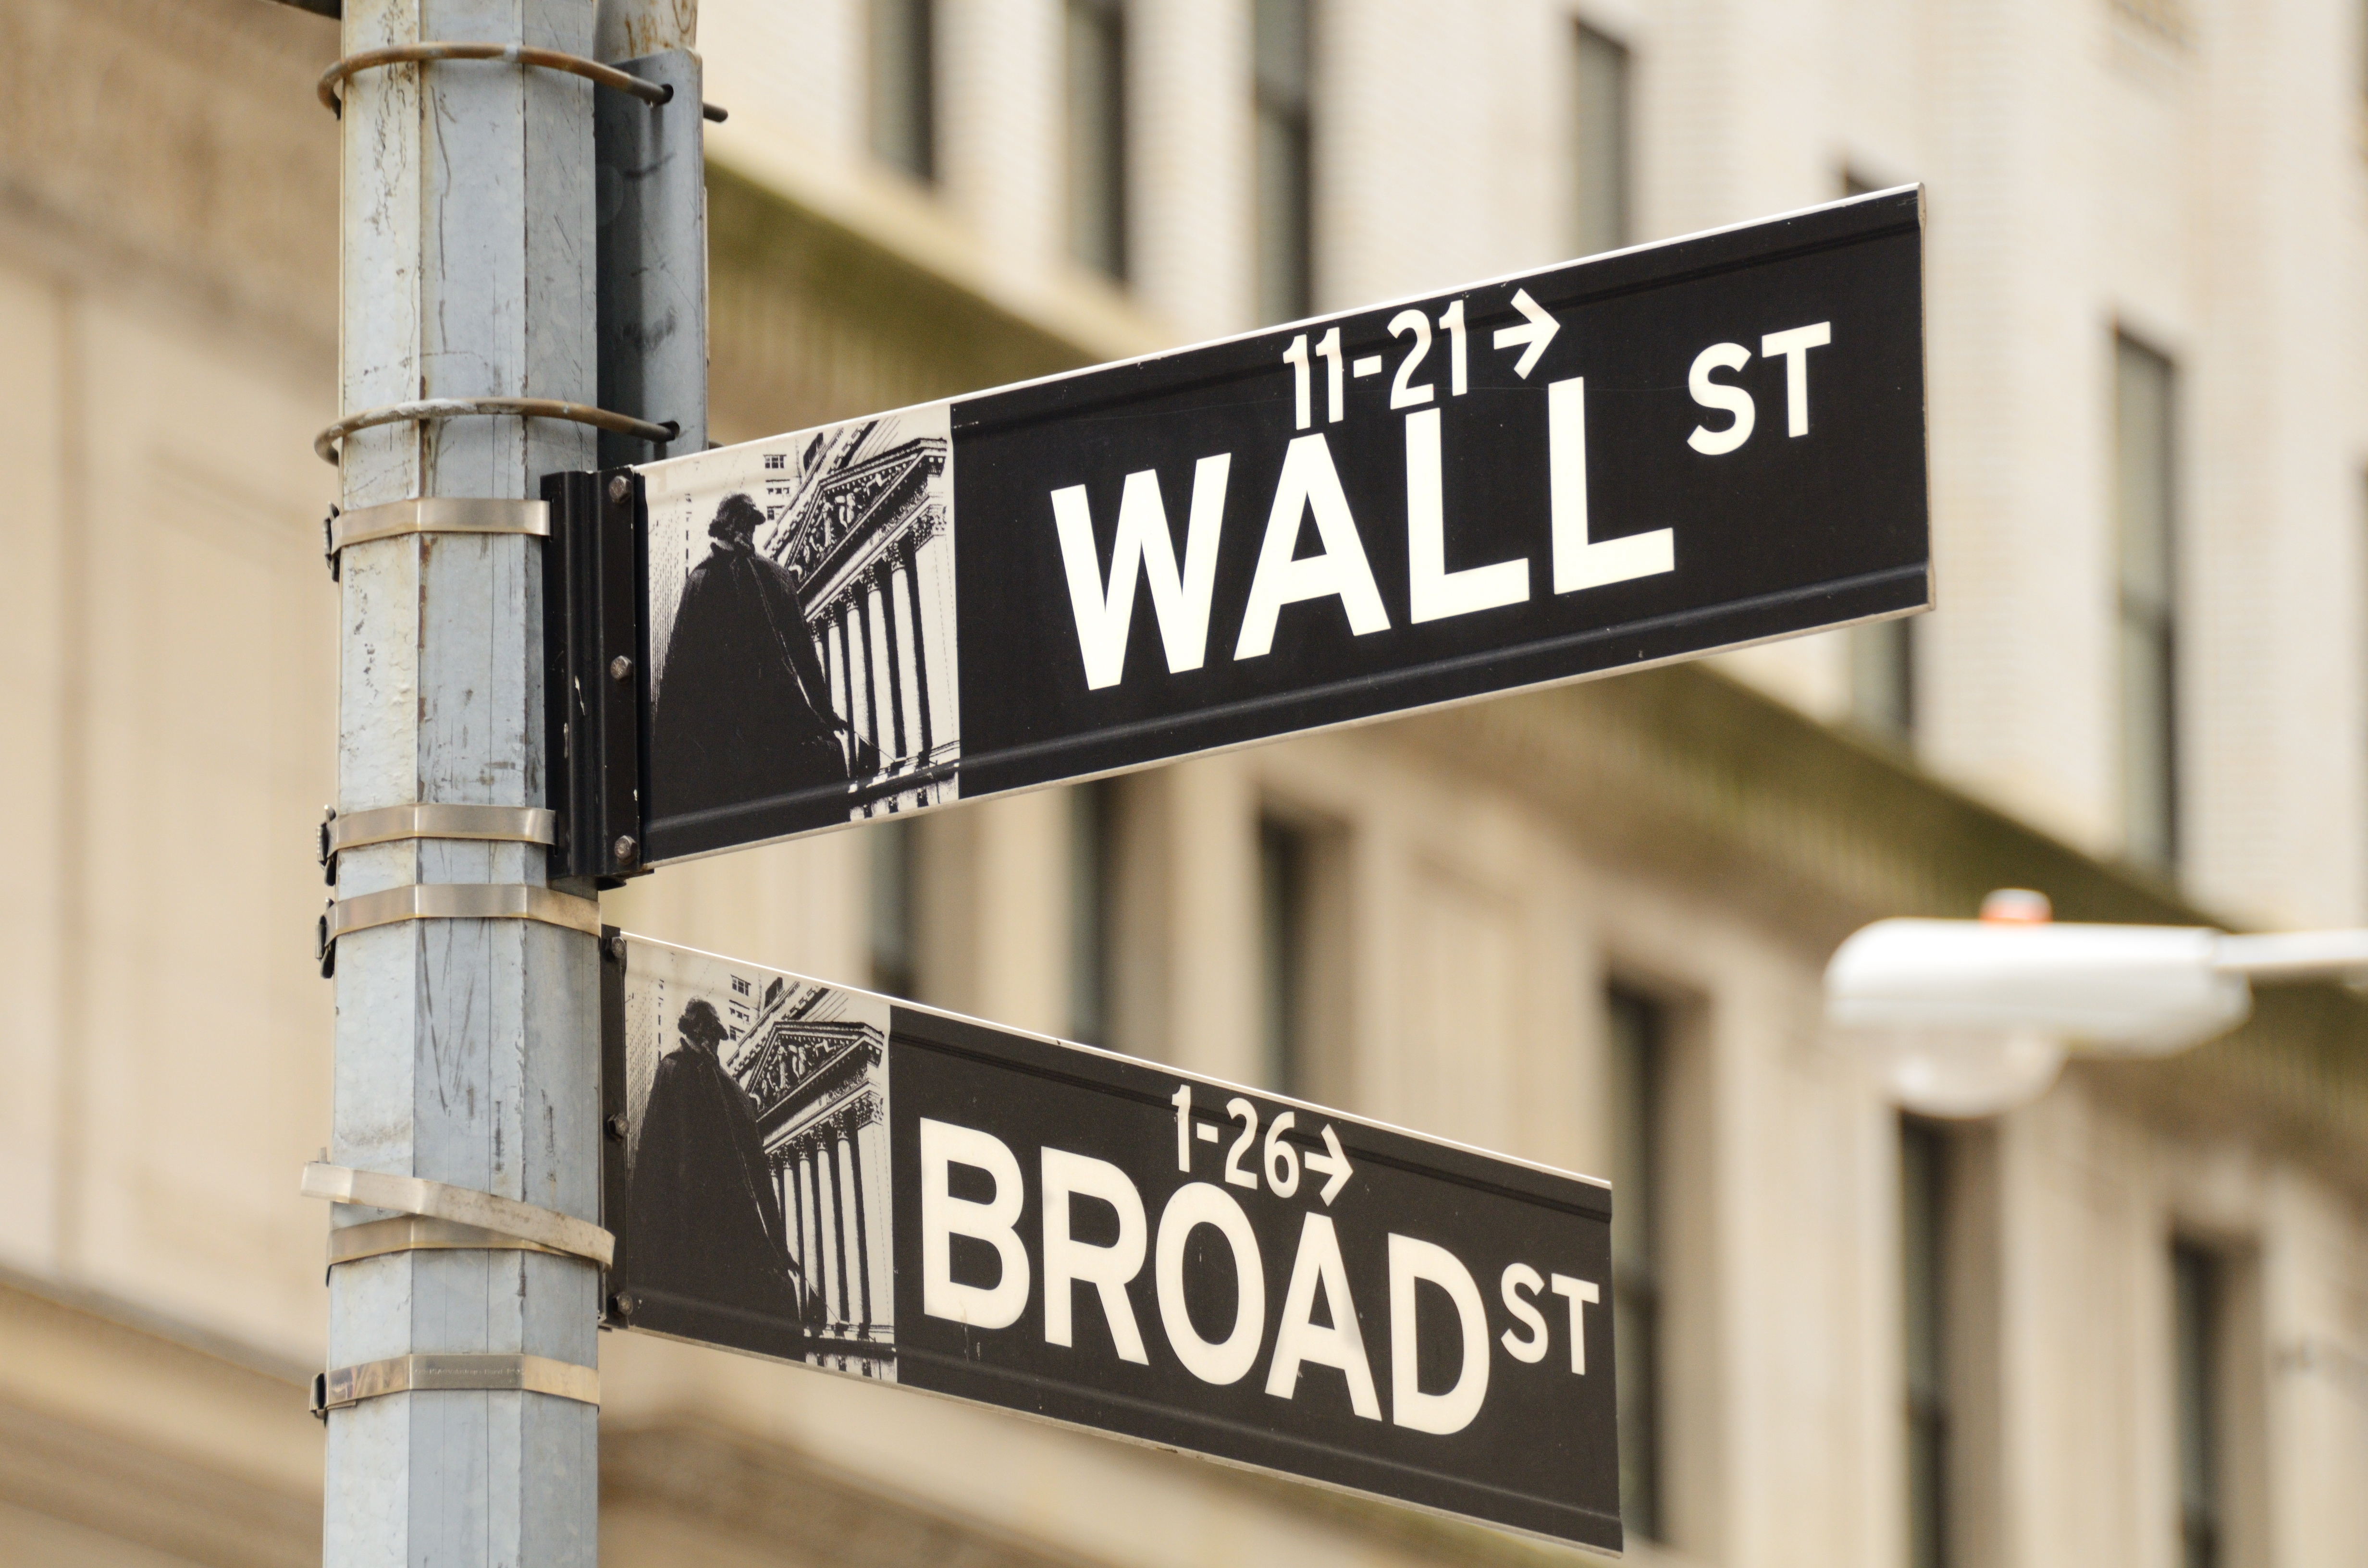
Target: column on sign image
{"type": "Point", "coordinates": [933, 603]}
{"type": "Point", "coordinates": [817, 1218]}
{"type": "Point", "coordinates": [871, 1165]}
{"type": "Point", "coordinates": [913, 709]}
{"type": "Point", "coordinates": [794, 1214]}
{"type": "Point", "coordinates": [834, 1276]}
{"type": "Point", "coordinates": [842, 655]}
{"type": "Point", "coordinates": [886, 646]}
{"type": "Point", "coordinates": [850, 1225]}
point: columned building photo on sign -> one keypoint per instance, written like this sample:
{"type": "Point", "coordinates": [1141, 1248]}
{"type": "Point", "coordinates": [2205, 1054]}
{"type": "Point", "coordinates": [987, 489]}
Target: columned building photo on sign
{"type": "Point", "coordinates": [821, 1089]}
{"type": "Point", "coordinates": [863, 522]}
{"type": "Point", "coordinates": [2122, 1325]}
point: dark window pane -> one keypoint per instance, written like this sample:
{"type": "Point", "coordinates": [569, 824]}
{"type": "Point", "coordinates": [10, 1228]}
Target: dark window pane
{"type": "Point", "coordinates": [1090, 857]}
{"type": "Point", "coordinates": [2195, 1331]}
{"type": "Point", "coordinates": [1283, 855]}
{"type": "Point", "coordinates": [1923, 1214]}
{"type": "Point", "coordinates": [1096, 67]}
{"type": "Point", "coordinates": [894, 949]}
{"type": "Point", "coordinates": [1598, 144]}
{"type": "Point", "coordinates": [1883, 678]}
{"type": "Point", "coordinates": [904, 84]}
{"type": "Point", "coordinates": [1281, 91]}
{"type": "Point", "coordinates": [2144, 518]}
{"type": "Point", "coordinates": [1636, 1037]}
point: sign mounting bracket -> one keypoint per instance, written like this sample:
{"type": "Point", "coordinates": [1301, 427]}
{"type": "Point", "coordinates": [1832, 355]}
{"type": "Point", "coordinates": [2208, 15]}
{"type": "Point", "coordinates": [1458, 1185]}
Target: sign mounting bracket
{"type": "Point", "coordinates": [596, 655]}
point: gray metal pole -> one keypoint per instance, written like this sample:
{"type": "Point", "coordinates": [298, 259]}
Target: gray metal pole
{"type": "Point", "coordinates": [466, 1048]}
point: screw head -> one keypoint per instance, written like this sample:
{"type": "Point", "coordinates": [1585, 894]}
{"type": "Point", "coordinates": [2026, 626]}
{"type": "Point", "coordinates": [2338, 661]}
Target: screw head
{"type": "Point", "coordinates": [619, 487]}
{"type": "Point", "coordinates": [622, 1304]}
{"type": "Point", "coordinates": [617, 1127]}
{"type": "Point", "coordinates": [620, 668]}
{"type": "Point", "coordinates": [617, 949]}
{"type": "Point", "coordinates": [626, 849]}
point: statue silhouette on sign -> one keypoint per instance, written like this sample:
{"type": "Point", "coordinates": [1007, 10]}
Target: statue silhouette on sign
{"type": "Point", "coordinates": [743, 711]}
{"type": "Point", "coordinates": [706, 1218]}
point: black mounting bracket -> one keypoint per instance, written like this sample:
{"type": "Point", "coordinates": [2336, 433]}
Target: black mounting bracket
{"type": "Point", "coordinates": [596, 673]}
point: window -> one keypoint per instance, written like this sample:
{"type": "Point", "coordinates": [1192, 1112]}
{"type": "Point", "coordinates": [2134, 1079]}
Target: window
{"type": "Point", "coordinates": [1883, 678]}
{"type": "Point", "coordinates": [1638, 1033]}
{"type": "Point", "coordinates": [1282, 69]}
{"type": "Point", "coordinates": [2196, 1288]}
{"type": "Point", "coordinates": [1284, 854]}
{"type": "Point", "coordinates": [1924, 1178]}
{"type": "Point", "coordinates": [1599, 143]}
{"type": "Point", "coordinates": [1091, 857]}
{"type": "Point", "coordinates": [895, 950]}
{"type": "Point", "coordinates": [904, 84]}
{"type": "Point", "coordinates": [2148, 600]}
{"type": "Point", "coordinates": [1096, 65]}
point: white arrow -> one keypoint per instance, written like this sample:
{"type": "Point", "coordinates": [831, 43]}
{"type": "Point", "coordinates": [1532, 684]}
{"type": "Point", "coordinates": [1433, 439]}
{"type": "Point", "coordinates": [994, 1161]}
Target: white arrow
{"type": "Point", "coordinates": [1334, 1165]}
{"type": "Point", "coordinates": [1537, 332]}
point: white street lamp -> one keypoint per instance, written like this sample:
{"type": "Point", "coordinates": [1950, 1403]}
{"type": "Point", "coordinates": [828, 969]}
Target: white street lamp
{"type": "Point", "coordinates": [1972, 1017]}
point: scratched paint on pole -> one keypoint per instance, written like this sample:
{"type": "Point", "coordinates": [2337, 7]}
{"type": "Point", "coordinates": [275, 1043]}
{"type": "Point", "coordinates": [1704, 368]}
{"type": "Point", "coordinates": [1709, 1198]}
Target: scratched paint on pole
{"type": "Point", "coordinates": [1643, 457]}
{"type": "Point", "coordinates": [828, 1176]}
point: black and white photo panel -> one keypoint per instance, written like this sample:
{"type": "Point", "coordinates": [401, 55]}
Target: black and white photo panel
{"type": "Point", "coordinates": [824, 1175]}
{"type": "Point", "coordinates": [756, 1209]}
{"type": "Point", "coordinates": [802, 628]}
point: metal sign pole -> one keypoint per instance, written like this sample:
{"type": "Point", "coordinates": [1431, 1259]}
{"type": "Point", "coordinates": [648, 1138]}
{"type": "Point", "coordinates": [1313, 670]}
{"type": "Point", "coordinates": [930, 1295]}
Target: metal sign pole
{"type": "Point", "coordinates": [462, 1394]}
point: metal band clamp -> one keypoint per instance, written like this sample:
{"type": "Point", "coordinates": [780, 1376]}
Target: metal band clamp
{"type": "Point", "coordinates": [345, 1386]}
{"type": "Point", "coordinates": [325, 444]}
{"type": "Point", "coordinates": [417, 1233]}
{"type": "Point", "coordinates": [548, 1229]}
{"type": "Point", "coordinates": [450, 901]}
{"type": "Point", "coordinates": [431, 515]}
{"type": "Point", "coordinates": [651, 92]}
{"type": "Point", "coordinates": [386, 825]}
{"type": "Point", "coordinates": [440, 515]}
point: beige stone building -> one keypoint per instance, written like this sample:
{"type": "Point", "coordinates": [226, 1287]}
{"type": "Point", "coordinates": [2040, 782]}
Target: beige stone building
{"type": "Point", "coordinates": [2126, 1327]}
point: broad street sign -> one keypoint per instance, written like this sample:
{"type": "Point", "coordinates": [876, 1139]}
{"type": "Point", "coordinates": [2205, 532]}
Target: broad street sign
{"type": "Point", "coordinates": [1639, 458]}
{"type": "Point", "coordinates": [830, 1176]}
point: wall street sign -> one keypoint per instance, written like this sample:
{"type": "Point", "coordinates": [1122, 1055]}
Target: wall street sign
{"type": "Point", "coordinates": [830, 1176]}
{"type": "Point", "coordinates": [1639, 458]}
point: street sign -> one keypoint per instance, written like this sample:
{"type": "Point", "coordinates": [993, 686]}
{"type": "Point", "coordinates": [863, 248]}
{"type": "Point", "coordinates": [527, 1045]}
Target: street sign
{"type": "Point", "coordinates": [1640, 457]}
{"type": "Point", "coordinates": [826, 1175]}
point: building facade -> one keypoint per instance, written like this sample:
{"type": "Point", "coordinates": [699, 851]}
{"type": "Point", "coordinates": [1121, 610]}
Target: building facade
{"type": "Point", "coordinates": [2127, 1326]}
{"type": "Point", "coordinates": [818, 1085]}
{"type": "Point", "coordinates": [866, 525]}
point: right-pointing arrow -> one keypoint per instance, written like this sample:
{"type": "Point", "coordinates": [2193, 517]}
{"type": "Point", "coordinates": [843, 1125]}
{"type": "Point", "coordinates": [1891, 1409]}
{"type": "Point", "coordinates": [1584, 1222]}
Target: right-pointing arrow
{"type": "Point", "coordinates": [1537, 332]}
{"type": "Point", "coordinates": [1335, 1165]}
